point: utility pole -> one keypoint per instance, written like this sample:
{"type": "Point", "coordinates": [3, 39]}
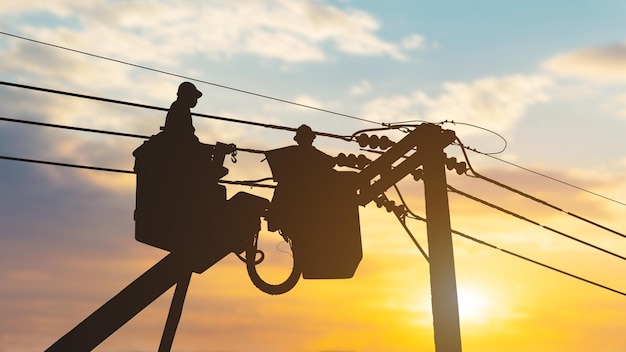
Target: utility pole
{"type": "Point", "coordinates": [441, 256]}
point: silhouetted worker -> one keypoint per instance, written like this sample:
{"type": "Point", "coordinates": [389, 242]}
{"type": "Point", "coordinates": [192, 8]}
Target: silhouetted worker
{"type": "Point", "coordinates": [178, 198]}
{"type": "Point", "coordinates": [315, 206]}
{"type": "Point", "coordinates": [178, 122]}
{"type": "Point", "coordinates": [313, 160]}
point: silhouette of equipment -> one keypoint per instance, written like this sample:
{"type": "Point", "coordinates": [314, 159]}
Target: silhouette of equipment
{"type": "Point", "coordinates": [315, 207]}
{"type": "Point", "coordinates": [181, 208]}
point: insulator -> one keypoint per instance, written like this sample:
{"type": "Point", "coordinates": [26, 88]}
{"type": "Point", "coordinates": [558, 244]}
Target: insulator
{"type": "Point", "coordinates": [390, 205]}
{"type": "Point", "coordinates": [461, 168]}
{"type": "Point", "coordinates": [380, 201]}
{"type": "Point", "coordinates": [418, 174]}
{"type": "Point", "coordinates": [362, 161]}
{"type": "Point", "coordinates": [451, 163]}
{"type": "Point", "coordinates": [400, 210]}
{"type": "Point", "coordinates": [374, 141]}
{"type": "Point", "coordinates": [363, 140]}
{"type": "Point", "coordinates": [384, 143]}
{"type": "Point", "coordinates": [352, 160]}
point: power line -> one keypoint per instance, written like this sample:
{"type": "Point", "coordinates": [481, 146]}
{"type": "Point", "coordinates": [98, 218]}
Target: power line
{"type": "Point", "coordinates": [152, 107]}
{"type": "Point", "coordinates": [526, 195]}
{"type": "Point", "coordinates": [533, 198]}
{"type": "Point", "coordinates": [491, 205]}
{"type": "Point", "coordinates": [46, 162]}
{"type": "Point", "coordinates": [555, 179]}
{"type": "Point", "coordinates": [421, 218]}
{"type": "Point", "coordinates": [537, 262]}
{"type": "Point", "coordinates": [107, 132]}
{"type": "Point", "coordinates": [253, 183]}
{"type": "Point", "coordinates": [73, 128]}
{"type": "Point", "coordinates": [463, 148]}
{"type": "Point", "coordinates": [189, 78]}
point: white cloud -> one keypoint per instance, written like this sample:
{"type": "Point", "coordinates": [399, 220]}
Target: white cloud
{"type": "Point", "coordinates": [618, 103]}
{"type": "Point", "coordinates": [165, 30]}
{"type": "Point", "coordinates": [414, 41]}
{"type": "Point", "coordinates": [494, 102]}
{"type": "Point", "coordinates": [602, 64]}
{"type": "Point", "coordinates": [362, 88]}
{"type": "Point", "coordinates": [309, 101]}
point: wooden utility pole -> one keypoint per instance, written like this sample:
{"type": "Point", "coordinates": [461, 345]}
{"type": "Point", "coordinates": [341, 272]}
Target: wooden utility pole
{"type": "Point", "coordinates": [441, 256]}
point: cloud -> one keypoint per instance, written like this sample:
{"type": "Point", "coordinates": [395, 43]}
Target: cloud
{"type": "Point", "coordinates": [605, 63]}
{"type": "Point", "coordinates": [163, 31]}
{"type": "Point", "coordinates": [414, 41]}
{"type": "Point", "coordinates": [494, 102]}
{"type": "Point", "coordinates": [361, 88]}
{"type": "Point", "coordinates": [309, 101]}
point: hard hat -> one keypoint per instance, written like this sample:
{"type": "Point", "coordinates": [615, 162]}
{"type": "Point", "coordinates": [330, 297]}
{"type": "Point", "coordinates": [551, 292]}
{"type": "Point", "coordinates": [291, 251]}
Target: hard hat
{"type": "Point", "coordinates": [188, 89]}
{"type": "Point", "coordinates": [304, 132]}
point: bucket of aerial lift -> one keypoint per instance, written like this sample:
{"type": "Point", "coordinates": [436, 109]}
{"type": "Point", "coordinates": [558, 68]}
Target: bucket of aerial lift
{"type": "Point", "coordinates": [179, 204]}
{"type": "Point", "coordinates": [316, 207]}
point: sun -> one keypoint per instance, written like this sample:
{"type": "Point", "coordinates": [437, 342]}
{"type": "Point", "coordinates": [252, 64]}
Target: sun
{"type": "Point", "coordinates": [473, 304]}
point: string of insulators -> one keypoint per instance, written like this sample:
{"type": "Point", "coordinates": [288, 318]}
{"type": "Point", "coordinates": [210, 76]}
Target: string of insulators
{"type": "Point", "coordinates": [353, 161]}
{"type": "Point", "coordinates": [390, 205]}
{"type": "Point", "coordinates": [374, 141]}
{"type": "Point", "coordinates": [418, 174]}
{"type": "Point", "coordinates": [459, 167]}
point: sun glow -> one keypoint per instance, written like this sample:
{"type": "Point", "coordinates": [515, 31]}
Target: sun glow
{"type": "Point", "coordinates": [473, 305]}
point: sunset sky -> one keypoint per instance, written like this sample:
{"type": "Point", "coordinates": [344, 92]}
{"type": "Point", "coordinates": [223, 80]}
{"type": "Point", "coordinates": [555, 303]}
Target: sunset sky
{"type": "Point", "coordinates": [549, 77]}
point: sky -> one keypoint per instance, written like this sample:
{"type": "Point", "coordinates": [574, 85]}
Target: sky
{"type": "Point", "coordinates": [546, 77]}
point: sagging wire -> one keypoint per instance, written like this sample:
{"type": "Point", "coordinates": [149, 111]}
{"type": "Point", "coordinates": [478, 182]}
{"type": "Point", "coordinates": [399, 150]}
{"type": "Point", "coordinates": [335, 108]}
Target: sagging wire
{"type": "Point", "coordinates": [420, 218]}
{"type": "Point", "coordinates": [387, 127]}
{"type": "Point", "coordinates": [480, 128]}
{"type": "Point", "coordinates": [402, 219]}
{"type": "Point", "coordinates": [508, 212]}
{"type": "Point", "coordinates": [412, 215]}
{"type": "Point", "coordinates": [187, 77]}
{"type": "Point", "coordinates": [253, 183]}
{"type": "Point", "coordinates": [144, 106]}
{"type": "Point", "coordinates": [476, 174]}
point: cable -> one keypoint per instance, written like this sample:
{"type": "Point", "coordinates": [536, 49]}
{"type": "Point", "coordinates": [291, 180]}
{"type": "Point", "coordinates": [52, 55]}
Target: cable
{"type": "Point", "coordinates": [484, 129]}
{"type": "Point", "coordinates": [121, 102]}
{"type": "Point", "coordinates": [188, 78]}
{"type": "Point", "coordinates": [534, 172]}
{"type": "Point", "coordinates": [253, 183]}
{"type": "Point", "coordinates": [536, 262]}
{"type": "Point", "coordinates": [526, 195]}
{"type": "Point", "coordinates": [74, 128]}
{"type": "Point", "coordinates": [554, 179]}
{"type": "Point", "coordinates": [402, 221]}
{"type": "Point", "coordinates": [491, 205]}
{"type": "Point", "coordinates": [417, 217]}
{"type": "Point", "coordinates": [66, 165]}
{"type": "Point", "coordinates": [114, 133]}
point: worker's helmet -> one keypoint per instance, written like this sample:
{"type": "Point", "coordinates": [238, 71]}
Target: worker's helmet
{"type": "Point", "coordinates": [188, 89]}
{"type": "Point", "coordinates": [304, 135]}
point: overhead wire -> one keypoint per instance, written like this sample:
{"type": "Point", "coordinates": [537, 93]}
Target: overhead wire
{"type": "Point", "coordinates": [187, 77]}
{"type": "Point", "coordinates": [293, 103]}
{"type": "Point", "coordinates": [463, 148]}
{"type": "Point", "coordinates": [554, 179]}
{"type": "Point", "coordinates": [251, 183]}
{"type": "Point", "coordinates": [145, 106]}
{"type": "Point", "coordinates": [73, 128]}
{"type": "Point", "coordinates": [484, 129]}
{"type": "Point", "coordinates": [521, 217]}
{"type": "Point", "coordinates": [413, 215]}
{"type": "Point", "coordinates": [107, 132]}
{"type": "Point", "coordinates": [476, 174]}
{"type": "Point", "coordinates": [254, 183]}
